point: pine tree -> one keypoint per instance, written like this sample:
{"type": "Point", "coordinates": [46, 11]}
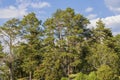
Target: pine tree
{"type": "Point", "coordinates": [101, 33]}
{"type": "Point", "coordinates": [65, 32]}
{"type": "Point", "coordinates": [9, 33]}
{"type": "Point", "coordinates": [30, 49]}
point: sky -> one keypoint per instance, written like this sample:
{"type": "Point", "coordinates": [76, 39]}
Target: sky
{"type": "Point", "coordinates": [106, 10]}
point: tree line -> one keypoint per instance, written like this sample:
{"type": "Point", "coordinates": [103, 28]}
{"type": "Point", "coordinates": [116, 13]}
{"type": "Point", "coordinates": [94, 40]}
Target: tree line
{"type": "Point", "coordinates": [61, 48]}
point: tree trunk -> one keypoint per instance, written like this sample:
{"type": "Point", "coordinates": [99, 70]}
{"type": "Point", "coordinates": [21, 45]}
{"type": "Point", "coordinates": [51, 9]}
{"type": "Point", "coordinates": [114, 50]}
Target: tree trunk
{"type": "Point", "coordinates": [68, 70]}
{"type": "Point", "coordinates": [11, 72]}
{"type": "Point", "coordinates": [11, 60]}
{"type": "Point", "coordinates": [30, 75]}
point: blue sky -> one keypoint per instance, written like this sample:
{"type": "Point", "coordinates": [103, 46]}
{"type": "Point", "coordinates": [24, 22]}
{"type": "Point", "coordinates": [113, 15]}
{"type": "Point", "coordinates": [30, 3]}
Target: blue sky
{"type": "Point", "coordinates": [107, 10]}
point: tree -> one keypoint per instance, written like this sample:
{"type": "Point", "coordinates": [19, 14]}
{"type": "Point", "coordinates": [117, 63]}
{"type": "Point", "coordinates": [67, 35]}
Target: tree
{"type": "Point", "coordinates": [100, 49]}
{"type": "Point", "coordinates": [105, 73]}
{"type": "Point", "coordinates": [63, 48]}
{"type": "Point", "coordinates": [64, 33]}
{"type": "Point", "coordinates": [92, 76]}
{"type": "Point", "coordinates": [10, 33]}
{"type": "Point", "coordinates": [102, 55]}
{"type": "Point", "coordinates": [30, 49]}
{"type": "Point", "coordinates": [4, 71]}
{"type": "Point", "coordinates": [101, 33]}
{"type": "Point", "coordinates": [64, 78]}
{"type": "Point", "coordinates": [114, 43]}
{"type": "Point", "coordinates": [81, 76]}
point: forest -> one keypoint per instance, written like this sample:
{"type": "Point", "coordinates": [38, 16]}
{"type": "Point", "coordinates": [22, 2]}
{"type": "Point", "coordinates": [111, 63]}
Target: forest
{"type": "Point", "coordinates": [62, 47]}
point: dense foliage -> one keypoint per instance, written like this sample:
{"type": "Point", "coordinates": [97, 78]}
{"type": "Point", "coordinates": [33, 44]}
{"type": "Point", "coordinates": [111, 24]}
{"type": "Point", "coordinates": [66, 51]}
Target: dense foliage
{"type": "Point", "coordinates": [62, 48]}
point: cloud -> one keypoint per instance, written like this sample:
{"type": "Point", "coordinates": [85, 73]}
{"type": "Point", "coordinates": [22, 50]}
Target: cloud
{"type": "Point", "coordinates": [16, 10]}
{"type": "Point", "coordinates": [92, 16]}
{"type": "Point", "coordinates": [33, 4]}
{"type": "Point", "coordinates": [21, 8]}
{"type": "Point", "coordinates": [40, 5]}
{"type": "Point", "coordinates": [12, 11]}
{"type": "Point", "coordinates": [112, 22]}
{"type": "Point", "coordinates": [113, 5]}
{"type": "Point", "coordinates": [89, 9]}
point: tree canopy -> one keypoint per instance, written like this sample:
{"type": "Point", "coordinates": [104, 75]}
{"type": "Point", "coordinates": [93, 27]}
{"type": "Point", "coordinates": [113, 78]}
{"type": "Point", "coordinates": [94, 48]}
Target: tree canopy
{"type": "Point", "coordinates": [60, 48]}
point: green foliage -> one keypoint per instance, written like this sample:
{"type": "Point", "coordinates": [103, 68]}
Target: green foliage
{"type": "Point", "coordinates": [81, 76]}
{"type": "Point", "coordinates": [92, 76]}
{"type": "Point", "coordinates": [9, 33]}
{"type": "Point", "coordinates": [105, 73]}
{"type": "Point", "coordinates": [101, 55]}
{"type": "Point", "coordinates": [64, 78]}
{"type": "Point", "coordinates": [64, 36]}
{"type": "Point", "coordinates": [62, 48]}
{"type": "Point", "coordinates": [101, 33]}
{"type": "Point", "coordinates": [31, 48]}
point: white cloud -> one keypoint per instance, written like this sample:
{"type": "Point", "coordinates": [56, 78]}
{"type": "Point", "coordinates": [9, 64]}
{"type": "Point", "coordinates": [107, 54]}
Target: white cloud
{"type": "Point", "coordinates": [40, 5]}
{"type": "Point", "coordinates": [92, 16]}
{"type": "Point", "coordinates": [35, 4]}
{"type": "Point", "coordinates": [89, 9]}
{"type": "Point", "coordinates": [112, 22]}
{"type": "Point", "coordinates": [21, 8]}
{"type": "Point", "coordinates": [12, 11]}
{"type": "Point", "coordinates": [113, 5]}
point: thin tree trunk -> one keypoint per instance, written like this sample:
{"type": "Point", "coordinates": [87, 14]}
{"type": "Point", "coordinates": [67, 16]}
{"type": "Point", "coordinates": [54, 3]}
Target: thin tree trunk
{"type": "Point", "coordinates": [11, 60]}
{"type": "Point", "coordinates": [11, 72]}
{"type": "Point", "coordinates": [30, 75]}
{"type": "Point", "coordinates": [68, 70]}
